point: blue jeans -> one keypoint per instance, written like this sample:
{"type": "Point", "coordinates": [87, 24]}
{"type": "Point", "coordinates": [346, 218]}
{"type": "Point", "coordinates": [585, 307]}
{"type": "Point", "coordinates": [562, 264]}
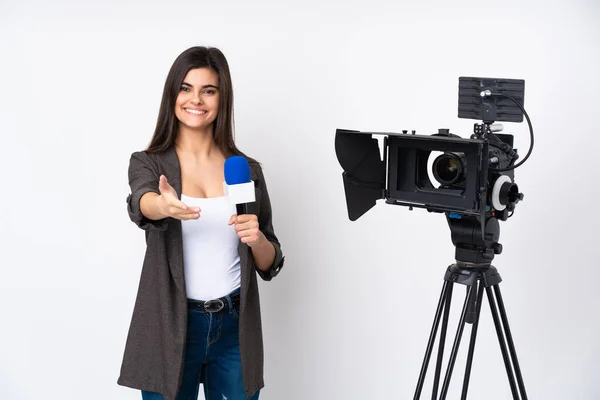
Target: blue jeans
{"type": "Point", "coordinates": [213, 352]}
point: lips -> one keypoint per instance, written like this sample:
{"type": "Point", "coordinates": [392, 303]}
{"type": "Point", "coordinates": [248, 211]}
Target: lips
{"type": "Point", "coordinates": [195, 111]}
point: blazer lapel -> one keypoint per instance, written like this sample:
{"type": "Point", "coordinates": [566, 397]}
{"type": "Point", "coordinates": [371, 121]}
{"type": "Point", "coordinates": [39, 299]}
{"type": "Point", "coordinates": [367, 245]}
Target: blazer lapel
{"type": "Point", "coordinates": [172, 170]}
{"type": "Point", "coordinates": [246, 259]}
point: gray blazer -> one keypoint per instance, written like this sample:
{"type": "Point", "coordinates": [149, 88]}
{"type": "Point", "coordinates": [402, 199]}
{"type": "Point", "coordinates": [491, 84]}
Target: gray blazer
{"type": "Point", "coordinates": [155, 345]}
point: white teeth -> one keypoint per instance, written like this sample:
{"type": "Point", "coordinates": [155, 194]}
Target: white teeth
{"type": "Point", "coordinates": [196, 112]}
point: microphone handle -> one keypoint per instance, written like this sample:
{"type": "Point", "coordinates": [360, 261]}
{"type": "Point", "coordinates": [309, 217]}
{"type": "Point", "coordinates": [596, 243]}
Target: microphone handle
{"type": "Point", "coordinates": [241, 208]}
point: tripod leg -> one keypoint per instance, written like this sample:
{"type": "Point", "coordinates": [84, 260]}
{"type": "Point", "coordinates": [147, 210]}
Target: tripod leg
{"type": "Point", "coordinates": [446, 291]}
{"type": "Point", "coordinates": [442, 344]}
{"type": "Point", "coordinates": [461, 326]}
{"type": "Point", "coordinates": [509, 372]}
{"type": "Point", "coordinates": [472, 344]}
{"type": "Point", "coordinates": [511, 345]}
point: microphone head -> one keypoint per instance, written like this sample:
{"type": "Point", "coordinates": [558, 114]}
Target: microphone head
{"type": "Point", "coordinates": [237, 170]}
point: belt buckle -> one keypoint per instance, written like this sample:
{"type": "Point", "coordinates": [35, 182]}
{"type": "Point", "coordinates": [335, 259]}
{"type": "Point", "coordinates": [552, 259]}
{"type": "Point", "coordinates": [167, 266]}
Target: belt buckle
{"type": "Point", "coordinates": [214, 305]}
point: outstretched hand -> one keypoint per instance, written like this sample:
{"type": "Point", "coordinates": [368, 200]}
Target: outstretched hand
{"type": "Point", "coordinates": [170, 205]}
{"type": "Point", "coordinates": [246, 226]}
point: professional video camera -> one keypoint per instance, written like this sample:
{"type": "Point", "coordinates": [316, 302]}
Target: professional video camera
{"type": "Point", "coordinates": [474, 187]}
{"type": "Point", "coordinates": [475, 177]}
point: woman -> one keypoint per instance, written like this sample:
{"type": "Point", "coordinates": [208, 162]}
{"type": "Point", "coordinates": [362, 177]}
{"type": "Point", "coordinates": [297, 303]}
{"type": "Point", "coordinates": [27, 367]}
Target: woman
{"type": "Point", "coordinates": [196, 317]}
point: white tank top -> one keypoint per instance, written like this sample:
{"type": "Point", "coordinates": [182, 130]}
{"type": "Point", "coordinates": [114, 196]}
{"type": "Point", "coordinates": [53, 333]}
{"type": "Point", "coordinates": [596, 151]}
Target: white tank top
{"type": "Point", "coordinates": [210, 249]}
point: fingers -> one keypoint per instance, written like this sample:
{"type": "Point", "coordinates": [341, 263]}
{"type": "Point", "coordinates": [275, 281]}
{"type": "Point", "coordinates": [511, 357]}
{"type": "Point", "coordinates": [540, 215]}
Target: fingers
{"type": "Point", "coordinates": [244, 218]}
{"type": "Point", "coordinates": [249, 236]}
{"type": "Point", "coordinates": [163, 185]}
{"type": "Point", "coordinates": [178, 209]}
{"type": "Point", "coordinates": [246, 227]}
{"type": "Point", "coordinates": [245, 222]}
{"type": "Point", "coordinates": [249, 240]}
{"type": "Point", "coordinates": [188, 217]}
{"type": "Point", "coordinates": [179, 206]}
{"type": "Point", "coordinates": [169, 193]}
{"type": "Point", "coordinates": [191, 213]}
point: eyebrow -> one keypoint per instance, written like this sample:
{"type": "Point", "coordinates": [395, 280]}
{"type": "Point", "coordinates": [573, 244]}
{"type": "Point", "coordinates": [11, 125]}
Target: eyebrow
{"type": "Point", "coordinates": [203, 87]}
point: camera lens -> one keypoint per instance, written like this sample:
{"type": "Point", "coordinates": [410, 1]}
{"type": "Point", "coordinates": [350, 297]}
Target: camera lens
{"type": "Point", "coordinates": [449, 168]}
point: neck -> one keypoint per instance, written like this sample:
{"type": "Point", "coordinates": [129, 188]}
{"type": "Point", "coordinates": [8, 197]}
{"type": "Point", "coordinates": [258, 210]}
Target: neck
{"type": "Point", "coordinates": [199, 143]}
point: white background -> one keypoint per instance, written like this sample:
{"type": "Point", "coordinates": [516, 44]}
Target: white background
{"type": "Point", "coordinates": [350, 314]}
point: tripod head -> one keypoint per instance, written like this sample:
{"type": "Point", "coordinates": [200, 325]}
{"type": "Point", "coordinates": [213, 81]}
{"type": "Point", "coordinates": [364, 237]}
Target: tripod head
{"type": "Point", "coordinates": [476, 243]}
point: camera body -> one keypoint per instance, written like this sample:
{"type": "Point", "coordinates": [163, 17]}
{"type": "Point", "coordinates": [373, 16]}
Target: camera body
{"type": "Point", "coordinates": [471, 180]}
{"type": "Point", "coordinates": [466, 179]}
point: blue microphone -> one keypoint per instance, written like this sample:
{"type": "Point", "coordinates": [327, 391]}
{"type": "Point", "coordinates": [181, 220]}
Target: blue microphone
{"type": "Point", "coordinates": [238, 186]}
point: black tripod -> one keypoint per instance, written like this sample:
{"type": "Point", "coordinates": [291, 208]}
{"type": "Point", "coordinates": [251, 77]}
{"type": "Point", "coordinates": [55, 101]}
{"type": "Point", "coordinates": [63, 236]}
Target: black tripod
{"type": "Point", "coordinates": [474, 252]}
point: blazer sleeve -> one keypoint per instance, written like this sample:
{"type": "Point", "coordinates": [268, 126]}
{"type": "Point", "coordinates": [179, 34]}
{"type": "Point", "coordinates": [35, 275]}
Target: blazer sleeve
{"type": "Point", "coordinates": [265, 221]}
{"type": "Point", "coordinates": [144, 176]}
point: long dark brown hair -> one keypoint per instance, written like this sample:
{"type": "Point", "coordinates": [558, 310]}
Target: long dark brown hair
{"type": "Point", "coordinates": [223, 127]}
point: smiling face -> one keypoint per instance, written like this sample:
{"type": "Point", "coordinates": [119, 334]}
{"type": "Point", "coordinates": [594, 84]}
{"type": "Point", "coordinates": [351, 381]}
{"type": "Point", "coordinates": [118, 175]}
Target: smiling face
{"type": "Point", "coordinates": [197, 103]}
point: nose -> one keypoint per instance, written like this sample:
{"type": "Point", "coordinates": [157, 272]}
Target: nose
{"type": "Point", "coordinates": [197, 98]}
